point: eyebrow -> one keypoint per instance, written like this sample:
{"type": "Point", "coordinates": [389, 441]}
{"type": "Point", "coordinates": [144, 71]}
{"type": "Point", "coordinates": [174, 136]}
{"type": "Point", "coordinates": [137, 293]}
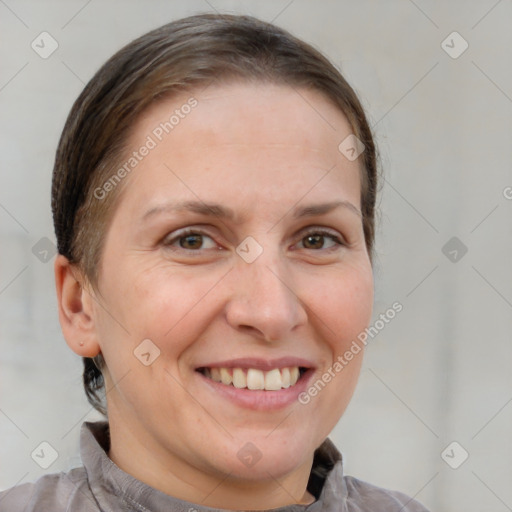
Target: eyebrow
{"type": "Point", "coordinates": [200, 207]}
{"type": "Point", "coordinates": [322, 209]}
{"type": "Point", "coordinates": [223, 212]}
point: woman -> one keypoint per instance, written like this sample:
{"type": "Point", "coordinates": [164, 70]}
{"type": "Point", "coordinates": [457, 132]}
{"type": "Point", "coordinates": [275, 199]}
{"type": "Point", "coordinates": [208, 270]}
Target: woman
{"type": "Point", "coordinates": [213, 199]}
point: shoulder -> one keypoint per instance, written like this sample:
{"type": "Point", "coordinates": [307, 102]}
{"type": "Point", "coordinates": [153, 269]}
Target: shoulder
{"type": "Point", "coordinates": [57, 492]}
{"type": "Point", "coordinates": [355, 495]}
{"type": "Point", "coordinates": [367, 497]}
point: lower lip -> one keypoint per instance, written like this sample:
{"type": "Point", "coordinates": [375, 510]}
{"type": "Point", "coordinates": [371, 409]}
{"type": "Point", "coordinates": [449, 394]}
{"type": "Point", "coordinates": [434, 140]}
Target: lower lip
{"type": "Point", "coordinates": [260, 400]}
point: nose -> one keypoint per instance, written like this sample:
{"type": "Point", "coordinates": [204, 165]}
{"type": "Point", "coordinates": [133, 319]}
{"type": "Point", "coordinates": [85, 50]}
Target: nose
{"type": "Point", "coordinates": [264, 302]}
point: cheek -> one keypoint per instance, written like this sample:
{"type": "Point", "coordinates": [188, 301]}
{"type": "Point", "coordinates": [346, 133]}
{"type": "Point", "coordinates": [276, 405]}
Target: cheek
{"type": "Point", "coordinates": [341, 312]}
{"type": "Point", "coordinates": [342, 301]}
{"type": "Point", "coordinates": [172, 306]}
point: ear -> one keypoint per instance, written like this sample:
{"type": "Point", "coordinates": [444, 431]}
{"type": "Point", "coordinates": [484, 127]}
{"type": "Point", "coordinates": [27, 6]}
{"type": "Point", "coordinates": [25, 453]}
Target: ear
{"type": "Point", "coordinates": [75, 305]}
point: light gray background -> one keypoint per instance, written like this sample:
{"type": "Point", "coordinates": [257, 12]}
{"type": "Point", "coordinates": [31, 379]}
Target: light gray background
{"type": "Point", "coordinates": [441, 370]}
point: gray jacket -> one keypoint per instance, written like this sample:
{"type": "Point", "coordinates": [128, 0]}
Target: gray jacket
{"type": "Point", "coordinates": [102, 486]}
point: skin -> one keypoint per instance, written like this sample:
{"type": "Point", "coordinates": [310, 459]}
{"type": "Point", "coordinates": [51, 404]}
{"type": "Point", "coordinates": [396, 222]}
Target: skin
{"type": "Point", "coordinates": [261, 150]}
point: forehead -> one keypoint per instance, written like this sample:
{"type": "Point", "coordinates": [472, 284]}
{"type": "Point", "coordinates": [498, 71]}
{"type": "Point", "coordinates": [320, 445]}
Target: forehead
{"type": "Point", "coordinates": [247, 112]}
{"type": "Point", "coordinates": [259, 139]}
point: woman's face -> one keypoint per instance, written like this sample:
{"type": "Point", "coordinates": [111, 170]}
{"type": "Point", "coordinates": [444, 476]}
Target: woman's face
{"type": "Point", "coordinates": [237, 249]}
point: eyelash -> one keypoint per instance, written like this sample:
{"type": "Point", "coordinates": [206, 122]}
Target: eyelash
{"type": "Point", "coordinates": [190, 231]}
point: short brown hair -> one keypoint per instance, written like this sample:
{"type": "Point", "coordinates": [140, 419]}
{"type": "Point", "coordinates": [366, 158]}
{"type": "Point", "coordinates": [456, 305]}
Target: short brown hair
{"type": "Point", "coordinates": [177, 57]}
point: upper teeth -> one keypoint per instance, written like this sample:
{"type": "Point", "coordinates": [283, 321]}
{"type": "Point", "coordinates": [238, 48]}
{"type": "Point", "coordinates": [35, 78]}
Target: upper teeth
{"type": "Point", "coordinates": [252, 378]}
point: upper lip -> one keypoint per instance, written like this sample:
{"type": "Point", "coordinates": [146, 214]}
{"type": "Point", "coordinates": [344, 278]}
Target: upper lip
{"type": "Point", "coordinates": [259, 363]}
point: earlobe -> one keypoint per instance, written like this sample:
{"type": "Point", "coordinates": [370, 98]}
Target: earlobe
{"type": "Point", "coordinates": [76, 313]}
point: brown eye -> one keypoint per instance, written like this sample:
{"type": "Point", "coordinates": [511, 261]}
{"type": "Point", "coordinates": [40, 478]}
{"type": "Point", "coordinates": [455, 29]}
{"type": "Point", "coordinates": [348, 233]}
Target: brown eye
{"type": "Point", "coordinates": [313, 241]}
{"type": "Point", "coordinates": [190, 241]}
{"type": "Point", "coordinates": [318, 240]}
{"type": "Point", "coordinates": [193, 241]}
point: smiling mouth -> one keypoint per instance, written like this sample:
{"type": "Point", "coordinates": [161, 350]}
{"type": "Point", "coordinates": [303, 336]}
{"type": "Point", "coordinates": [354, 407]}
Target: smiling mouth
{"type": "Point", "coordinates": [255, 379]}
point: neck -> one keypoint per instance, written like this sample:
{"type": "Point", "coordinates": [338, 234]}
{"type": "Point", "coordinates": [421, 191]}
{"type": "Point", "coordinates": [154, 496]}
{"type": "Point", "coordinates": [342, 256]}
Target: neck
{"type": "Point", "coordinates": [137, 454]}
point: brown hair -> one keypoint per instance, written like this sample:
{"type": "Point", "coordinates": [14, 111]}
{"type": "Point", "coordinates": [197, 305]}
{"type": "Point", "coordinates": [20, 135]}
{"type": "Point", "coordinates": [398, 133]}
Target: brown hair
{"type": "Point", "coordinates": [176, 57]}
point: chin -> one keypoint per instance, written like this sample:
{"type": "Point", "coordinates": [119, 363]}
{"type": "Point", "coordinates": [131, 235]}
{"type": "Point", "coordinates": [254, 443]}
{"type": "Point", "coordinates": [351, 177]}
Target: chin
{"type": "Point", "coordinates": [263, 456]}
